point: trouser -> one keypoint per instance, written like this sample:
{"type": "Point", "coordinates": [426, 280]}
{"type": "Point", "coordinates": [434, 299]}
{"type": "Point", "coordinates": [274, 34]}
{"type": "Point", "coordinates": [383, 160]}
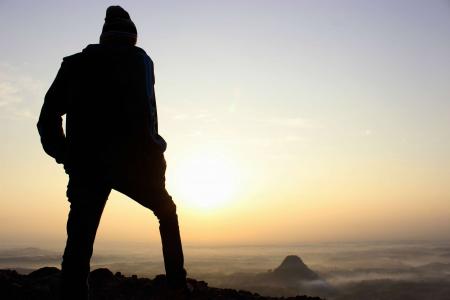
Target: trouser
{"type": "Point", "coordinates": [88, 198]}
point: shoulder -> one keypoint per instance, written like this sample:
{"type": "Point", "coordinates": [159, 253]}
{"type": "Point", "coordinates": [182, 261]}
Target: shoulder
{"type": "Point", "coordinates": [91, 49]}
{"type": "Point", "coordinates": [70, 59]}
{"type": "Point", "coordinates": [73, 57]}
{"type": "Point", "coordinates": [141, 52]}
{"type": "Point", "coordinates": [69, 63]}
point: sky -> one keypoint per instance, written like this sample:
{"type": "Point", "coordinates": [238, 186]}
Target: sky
{"type": "Point", "coordinates": [286, 121]}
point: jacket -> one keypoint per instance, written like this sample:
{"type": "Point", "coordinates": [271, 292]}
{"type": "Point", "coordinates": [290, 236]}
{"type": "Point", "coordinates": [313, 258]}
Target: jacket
{"type": "Point", "coordinates": [107, 94]}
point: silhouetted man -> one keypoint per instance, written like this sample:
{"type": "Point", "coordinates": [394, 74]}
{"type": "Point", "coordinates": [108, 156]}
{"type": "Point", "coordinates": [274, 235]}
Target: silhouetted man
{"type": "Point", "coordinates": [111, 142]}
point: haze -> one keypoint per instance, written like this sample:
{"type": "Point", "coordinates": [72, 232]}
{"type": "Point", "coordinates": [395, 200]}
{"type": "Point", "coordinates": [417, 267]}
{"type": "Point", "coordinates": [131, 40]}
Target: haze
{"type": "Point", "coordinates": [291, 121]}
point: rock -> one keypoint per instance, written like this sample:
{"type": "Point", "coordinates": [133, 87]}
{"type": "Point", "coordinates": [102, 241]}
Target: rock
{"type": "Point", "coordinates": [101, 276]}
{"type": "Point", "coordinates": [44, 272]}
{"type": "Point", "coordinates": [41, 284]}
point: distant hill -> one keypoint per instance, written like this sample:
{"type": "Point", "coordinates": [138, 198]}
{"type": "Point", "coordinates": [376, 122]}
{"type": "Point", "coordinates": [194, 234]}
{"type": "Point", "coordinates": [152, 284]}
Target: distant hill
{"type": "Point", "coordinates": [293, 268]}
{"type": "Point", "coordinates": [43, 284]}
{"type": "Point", "coordinates": [291, 277]}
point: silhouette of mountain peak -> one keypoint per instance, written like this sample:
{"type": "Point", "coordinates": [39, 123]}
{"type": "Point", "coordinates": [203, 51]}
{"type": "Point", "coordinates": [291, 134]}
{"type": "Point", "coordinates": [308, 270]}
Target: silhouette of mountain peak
{"type": "Point", "coordinates": [292, 262]}
{"type": "Point", "coordinates": [293, 267]}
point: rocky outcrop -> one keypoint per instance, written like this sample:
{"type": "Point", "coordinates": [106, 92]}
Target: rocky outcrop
{"type": "Point", "coordinates": [44, 283]}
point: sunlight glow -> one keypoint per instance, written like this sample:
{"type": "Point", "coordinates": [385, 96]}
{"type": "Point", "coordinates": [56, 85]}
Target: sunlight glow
{"type": "Point", "coordinates": [205, 181]}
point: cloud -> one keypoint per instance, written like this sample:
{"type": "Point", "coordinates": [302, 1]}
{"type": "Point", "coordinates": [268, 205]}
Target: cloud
{"type": "Point", "coordinates": [8, 94]}
{"type": "Point", "coordinates": [180, 116]}
{"type": "Point", "coordinates": [19, 93]}
{"type": "Point", "coordinates": [296, 122]}
{"type": "Point", "coordinates": [184, 113]}
{"type": "Point", "coordinates": [293, 138]}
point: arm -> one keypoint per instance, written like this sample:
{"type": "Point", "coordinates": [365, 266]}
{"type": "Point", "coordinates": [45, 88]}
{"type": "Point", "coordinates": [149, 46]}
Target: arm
{"type": "Point", "coordinates": [50, 120]}
{"type": "Point", "coordinates": [150, 95]}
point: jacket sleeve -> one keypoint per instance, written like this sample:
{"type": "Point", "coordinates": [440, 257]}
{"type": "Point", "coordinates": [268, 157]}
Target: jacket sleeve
{"type": "Point", "coordinates": [50, 120]}
{"type": "Point", "coordinates": [152, 110]}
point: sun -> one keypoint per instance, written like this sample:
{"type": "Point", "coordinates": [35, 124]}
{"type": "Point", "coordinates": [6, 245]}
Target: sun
{"type": "Point", "coordinates": [204, 181]}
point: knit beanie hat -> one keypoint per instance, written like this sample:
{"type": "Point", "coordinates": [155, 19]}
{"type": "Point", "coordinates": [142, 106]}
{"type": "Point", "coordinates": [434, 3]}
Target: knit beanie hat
{"type": "Point", "coordinates": [118, 26]}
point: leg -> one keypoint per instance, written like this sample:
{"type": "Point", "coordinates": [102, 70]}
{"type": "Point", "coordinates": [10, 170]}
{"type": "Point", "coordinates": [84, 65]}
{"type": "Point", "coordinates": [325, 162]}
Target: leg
{"type": "Point", "coordinates": [87, 203]}
{"type": "Point", "coordinates": [165, 211]}
{"type": "Point", "coordinates": [147, 187]}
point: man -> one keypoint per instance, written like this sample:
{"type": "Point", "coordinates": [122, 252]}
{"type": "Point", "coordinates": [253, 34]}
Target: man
{"type": "Point", "coordinates": [111, 142]}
